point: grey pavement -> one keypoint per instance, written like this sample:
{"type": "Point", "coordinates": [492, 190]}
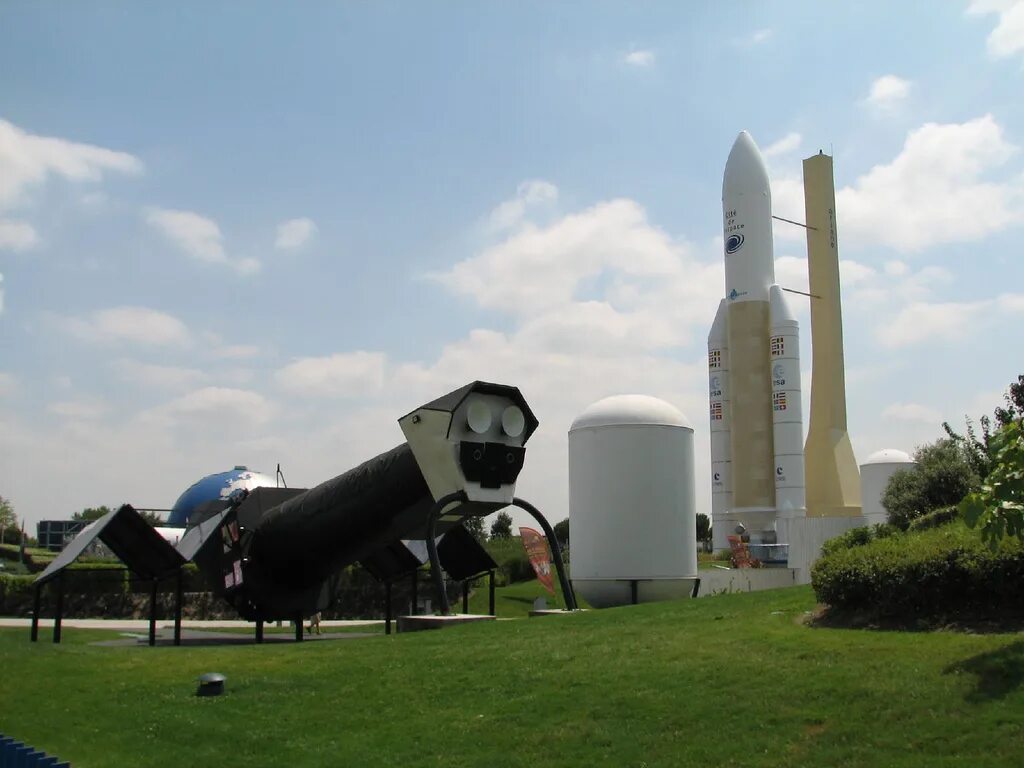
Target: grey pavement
{"type": "Point", "coordinates": [143, 624]}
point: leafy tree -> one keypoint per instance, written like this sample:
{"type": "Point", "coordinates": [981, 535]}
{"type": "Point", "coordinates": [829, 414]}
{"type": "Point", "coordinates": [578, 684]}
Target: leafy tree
{"type": "Point", "coordinates": [9, 532]}
{"type": "Point", "coordinates": [1014, 399]}
{"type": "Point", "coordinates": [979, 449]}
{"type": "Point", "coordinates": [942, 477]}
{"type": "Point", "coordinates": [89, 514]}
{"type": "Point", "coordinates": [703, 527]}
{"type": "Point", "coordinates": [501, 528]}
{"type": "Point", "coordinates": [475, 525]}
{"type": "Point", "coordinates": [562, 531]}
{"type": "Point", "coordinates": [998, 506]}
{"type": "Point", "coordinates": [152, 518]}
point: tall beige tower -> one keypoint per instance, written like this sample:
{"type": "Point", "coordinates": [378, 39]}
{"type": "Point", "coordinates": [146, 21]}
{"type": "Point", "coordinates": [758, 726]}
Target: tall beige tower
{"type": "Point", "coordinates": [831, 474]}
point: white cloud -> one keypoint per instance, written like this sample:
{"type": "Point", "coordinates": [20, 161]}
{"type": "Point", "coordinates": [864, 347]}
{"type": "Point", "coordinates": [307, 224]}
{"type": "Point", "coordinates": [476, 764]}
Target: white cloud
{"type": "Point", "coordinates": [342, 375]}
{"type": "Point", "coordinates": [198, 237]}
{"type": "Point", "coordinates": [136, 325]}
{"type": "Point", "coordinates": [236, 351]}
{"type": "Point", "coordinates": [946, 322]}
{"type": "Point", "coordinates": [757, 37]}
{"type": "Point", "coordinates": [788, 143]}
{"type": "Point", "coordinates": [943, 187]}
{"type": "Point", "coordinates": [887, 91]}
{"type": "Point", "coordinates": [17, 235]}
{"type": "Point", "coordinates": [539, 268]}
{"type": "Point", "coordinates": [294, 233]}
{"type": "Point", "coordinates": [912, 412]}
{"type": "Point", "coordinates": [530, 194]}
{"type": "Point", "coordinates": [214, 407]}
{"type": "Point", "coordinates": [163, 377]}
{"type": "Point", "coordinates": [935, 191]}
{"type": "Point", "coordinates": [639, 58]}
{"type": "Point", "coordinates": [28, 160]}
{"type": "Point", "coordinates": [81, 410]}
{"type": "Point", "coordinates": [1007, 39]}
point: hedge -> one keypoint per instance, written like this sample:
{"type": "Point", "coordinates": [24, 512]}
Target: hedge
{"type": "Point", "coordinates": [935, 519]}
{"type": "Point", "coordinates": [858, 537]}
{"type": "Point", "coordinates": [940, 572]}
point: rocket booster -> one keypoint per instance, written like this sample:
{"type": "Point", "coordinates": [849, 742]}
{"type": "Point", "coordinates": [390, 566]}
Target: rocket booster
{"type": "Point", "coordinates": [754, 362]}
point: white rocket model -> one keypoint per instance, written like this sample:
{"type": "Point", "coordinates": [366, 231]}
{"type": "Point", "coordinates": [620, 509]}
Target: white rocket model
{"type": "Point", "coordinates": [757, 458]}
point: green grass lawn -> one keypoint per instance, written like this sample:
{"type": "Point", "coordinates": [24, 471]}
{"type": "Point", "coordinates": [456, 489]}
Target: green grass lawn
{"type": "Point", "coordinates": [735, 680]}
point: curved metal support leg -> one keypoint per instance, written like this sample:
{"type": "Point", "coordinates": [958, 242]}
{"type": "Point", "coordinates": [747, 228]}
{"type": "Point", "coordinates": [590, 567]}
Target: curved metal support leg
{"type": "Point", "coordinates": [556, 551]}
{"type": "Point", "coordinates": [435, 561]}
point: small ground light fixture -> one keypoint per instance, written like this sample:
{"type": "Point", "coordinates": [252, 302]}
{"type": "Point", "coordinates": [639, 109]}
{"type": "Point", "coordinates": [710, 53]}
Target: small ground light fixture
{"type": "Point", "coordinates": [211, 684]}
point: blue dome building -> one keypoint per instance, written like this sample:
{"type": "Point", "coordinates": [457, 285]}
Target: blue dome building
{"type": "Point", "coordinates": [212, 488]}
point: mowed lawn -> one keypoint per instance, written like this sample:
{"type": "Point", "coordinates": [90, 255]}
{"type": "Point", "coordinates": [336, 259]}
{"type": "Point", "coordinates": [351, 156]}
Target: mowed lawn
{"type": "Point", "coordinates": [733, 680]}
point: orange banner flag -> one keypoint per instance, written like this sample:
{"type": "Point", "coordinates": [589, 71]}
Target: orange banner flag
{"type": "Point", "coordinates": [539, 553]}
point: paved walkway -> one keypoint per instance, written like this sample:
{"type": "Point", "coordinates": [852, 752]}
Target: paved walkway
{"type": "Point", "coordinates": [143, 624]}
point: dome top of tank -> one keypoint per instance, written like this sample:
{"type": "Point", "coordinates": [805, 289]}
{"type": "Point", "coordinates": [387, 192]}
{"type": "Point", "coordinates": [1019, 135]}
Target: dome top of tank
{"type": "Point", "coordinates": [889, 456]}
{"type": "Point", "coordinates": [619, 410]}
{"type": "Point", "coordinates": [213, 487]}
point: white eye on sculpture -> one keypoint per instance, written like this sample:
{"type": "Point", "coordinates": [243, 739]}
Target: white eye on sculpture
{"type": "Point", "coordinates": [478, 416]}
{"type": "Point", "coordinates": [513, 421]}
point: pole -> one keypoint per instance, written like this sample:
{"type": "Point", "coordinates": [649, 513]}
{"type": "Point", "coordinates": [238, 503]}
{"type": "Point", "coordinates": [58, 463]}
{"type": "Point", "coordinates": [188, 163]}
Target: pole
{"type": "Point", "coordinates": [179, 589]}
{"type": "Point", "coordinates": [58, 612]}
{"type": "Point", "coordinates": [465, 597]}
{"type": "Point", "coordinates": [36, 601]}
{"type": "Point", "coordinates": [387, 608]}
{"type": "Point", "coordinates": [556, 551]}
{"type": "Point", "coordinates": [259, 629]}
{"type": "Point", "coordinates": [435, 561]}
{"type": "Point", "coordinates": [490, 590]}
{"type": "Point", "coordinates": [298, 627]}
{"type": "Point", "coordinates": [152, 612]}
{"type": "Point", "coordinates": [415, 585]}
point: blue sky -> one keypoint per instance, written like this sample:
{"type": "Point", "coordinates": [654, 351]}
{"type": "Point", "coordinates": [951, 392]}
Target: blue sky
{"type": "Point", "coordinates": [260, 233]}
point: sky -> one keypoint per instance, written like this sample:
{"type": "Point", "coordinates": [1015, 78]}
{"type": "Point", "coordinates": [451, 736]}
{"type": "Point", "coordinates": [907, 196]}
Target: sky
{"type": "Point", "coordinates": [260, 233]}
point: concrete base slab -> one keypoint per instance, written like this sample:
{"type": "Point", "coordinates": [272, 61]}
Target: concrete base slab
{"type": "Point", "coordinates": [193, 637]}
{"type": "Point", "coordinates": [719, 581]}
{"type": "Point", "coordinates": [417, 623]}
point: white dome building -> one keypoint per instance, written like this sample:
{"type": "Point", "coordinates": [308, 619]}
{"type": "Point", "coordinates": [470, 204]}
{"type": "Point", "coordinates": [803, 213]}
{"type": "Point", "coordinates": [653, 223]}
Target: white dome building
{"type": "Point", "coordinates": [874, 477]}
{"type": "Point", "coordinates": [632, 506]}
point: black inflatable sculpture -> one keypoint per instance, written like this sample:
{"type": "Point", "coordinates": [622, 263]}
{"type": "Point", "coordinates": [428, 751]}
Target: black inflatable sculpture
{"type": "Point", "coordinates": [275, 553]}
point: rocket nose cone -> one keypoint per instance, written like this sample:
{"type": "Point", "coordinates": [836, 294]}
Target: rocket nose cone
{"type": "Point", "coordinates": [745, 170]}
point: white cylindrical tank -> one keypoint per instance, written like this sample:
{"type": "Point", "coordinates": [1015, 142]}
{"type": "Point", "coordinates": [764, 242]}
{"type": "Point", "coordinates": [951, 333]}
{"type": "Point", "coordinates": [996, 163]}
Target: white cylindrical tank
{"type": "Point", "coordinates": [874, 477]}
{"type": "Point", "coordinates": [632, 505]}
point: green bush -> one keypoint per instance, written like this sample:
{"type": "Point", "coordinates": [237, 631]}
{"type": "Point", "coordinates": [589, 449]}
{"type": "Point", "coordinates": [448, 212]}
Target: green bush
{"type": "Point", "coordinates": [935, 519]}
{"type": "Point", "coordinates": [858, 537]}
{"type": "Point", "coordinates": [941, 572]}
{"type": "Point", "coordinates": [14, 590]}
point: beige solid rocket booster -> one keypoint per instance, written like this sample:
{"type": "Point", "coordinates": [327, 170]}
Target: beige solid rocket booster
{"type": "Point", "coordinates": [833, 480]}
{"type": "Point", "coordinates": [757, 458]}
